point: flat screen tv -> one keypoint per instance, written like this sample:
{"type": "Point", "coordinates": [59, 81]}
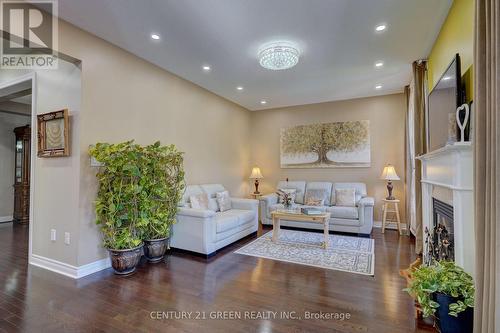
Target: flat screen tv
{"type": "Point", "coordinates": [444, 99]}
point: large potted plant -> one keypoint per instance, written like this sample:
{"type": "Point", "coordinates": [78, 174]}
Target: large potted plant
{"type": "Point", "coordinates": [446, 291]}
{"type": "Point", "coordinates": [163, 186]}
{"type": "Point", "coordinates": [117, 205]}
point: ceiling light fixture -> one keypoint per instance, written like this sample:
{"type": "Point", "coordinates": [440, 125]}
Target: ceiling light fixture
{"type": "Point", "coordinates": [206, 68]}
{"type": "Point", "coordinates": [239, 88]}
{"type": "Point", "coordinates": [379, 64]}
{"type": "Point", "coordinates": [278, 56]}
{"type": "Point", "coordinates": [263, 102]}
{"type": "Point", "coordinates": [446, 78]}
{"type": "Point", "coordinates": [378, 86]}
{"type": "Point", "coordinates": [380, 27]}
{"type": "Point", "coordinates": [155, 36]}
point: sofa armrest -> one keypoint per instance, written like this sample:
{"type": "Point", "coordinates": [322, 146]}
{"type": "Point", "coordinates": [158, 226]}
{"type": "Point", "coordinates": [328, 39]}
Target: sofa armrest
{"type": "Point", "coordinates": [201, 213]}
{"type": "Point", "coordinates": [270, 199]}
{"type": "Point", "coordinates": [245, 204]}
{"type": "Point", "coordinates": [366, 201]}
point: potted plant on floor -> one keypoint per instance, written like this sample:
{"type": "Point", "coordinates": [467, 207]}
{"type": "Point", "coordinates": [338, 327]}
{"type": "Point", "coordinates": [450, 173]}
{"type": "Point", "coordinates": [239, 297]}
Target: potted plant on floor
{"type": "Point", "coordinates": [446, 291]}
{"type": "Point", "coordinates": [117, 205]}
{"type": "Point", "coordinates": [163, 187]}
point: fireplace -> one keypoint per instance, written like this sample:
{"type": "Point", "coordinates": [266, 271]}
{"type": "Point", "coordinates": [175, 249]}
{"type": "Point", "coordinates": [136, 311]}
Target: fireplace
{"type": "Point", "coordinates": [440, 241]}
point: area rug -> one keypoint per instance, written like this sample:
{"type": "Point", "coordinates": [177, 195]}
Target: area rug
{"type": "Point", "coordinates": [345, 253]}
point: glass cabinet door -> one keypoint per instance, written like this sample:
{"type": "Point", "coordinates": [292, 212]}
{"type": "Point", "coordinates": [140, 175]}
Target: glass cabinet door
{"type": "Point", "coordinates": [19, 161]}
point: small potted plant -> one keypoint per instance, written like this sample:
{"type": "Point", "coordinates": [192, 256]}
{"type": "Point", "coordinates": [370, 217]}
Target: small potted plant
{"type": "Point", "coordinates": [287, 198]}
{"type": "Point", "coordinates": [163, 186]}
{"type": "Point", "coordinates": [446, 291]}
{"type": "Point", "coordinates": [116, 206]}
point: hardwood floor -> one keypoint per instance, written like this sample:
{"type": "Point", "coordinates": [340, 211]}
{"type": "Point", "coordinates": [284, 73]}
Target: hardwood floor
{"type": "Point", "coordinates": [36, 300]}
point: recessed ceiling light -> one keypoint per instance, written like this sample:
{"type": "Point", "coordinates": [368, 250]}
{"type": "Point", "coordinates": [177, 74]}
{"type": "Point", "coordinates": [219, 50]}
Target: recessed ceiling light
{"type": "Point", "coordinates": [206, 68]}
{"type": "Point", "coordinates": [155, 36]}
{"type": "Point", "coordinates": [239, 88]}
{"type": "Point", "coordinates": [380, 27]}
{"type": "Point", "coordinates": [379, 64]}
{"type": "Point", "coordinates": [446, 78]}
{"type": "Point", "coordinates": [378, 86]}
{"type": "Point", "coordinates": [263, 102]}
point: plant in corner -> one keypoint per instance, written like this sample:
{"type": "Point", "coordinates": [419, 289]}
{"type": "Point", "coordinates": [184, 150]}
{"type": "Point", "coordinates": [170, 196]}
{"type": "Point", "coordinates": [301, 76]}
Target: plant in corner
{"type": "Point", "coordinates": [445, 290]}
{"type": "Point", "coordinates": [162, 184]}
{"type": "Point", "coordinates": [117, 205]}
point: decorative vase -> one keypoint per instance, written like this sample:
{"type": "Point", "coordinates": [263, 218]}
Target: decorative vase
{"type": "Point", "coordinates": [124, 262]}
{"type": "Point", "coordinates": [463, 323]}
{"type": "Point", "coordinates": [154, 249]}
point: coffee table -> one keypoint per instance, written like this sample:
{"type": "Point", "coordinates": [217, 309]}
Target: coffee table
{"type": "Point", "coordinates": [290, 215]}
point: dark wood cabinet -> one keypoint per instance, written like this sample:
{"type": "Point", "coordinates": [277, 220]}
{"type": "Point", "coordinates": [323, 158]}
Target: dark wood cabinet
{"type": "Point", "coordinates": [22, 175]}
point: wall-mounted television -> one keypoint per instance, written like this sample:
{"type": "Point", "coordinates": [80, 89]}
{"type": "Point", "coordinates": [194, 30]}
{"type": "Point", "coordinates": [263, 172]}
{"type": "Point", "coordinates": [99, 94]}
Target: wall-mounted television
{"type": "Point", "coordinates": [444, 99]}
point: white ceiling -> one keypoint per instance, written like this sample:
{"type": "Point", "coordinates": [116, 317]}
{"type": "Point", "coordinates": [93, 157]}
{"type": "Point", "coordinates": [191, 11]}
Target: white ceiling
{"type": "Point", "coordinates": [337, 39]}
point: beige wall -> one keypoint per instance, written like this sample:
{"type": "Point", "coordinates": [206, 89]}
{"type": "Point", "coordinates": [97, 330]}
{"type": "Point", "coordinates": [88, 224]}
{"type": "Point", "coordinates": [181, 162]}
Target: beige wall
{"type": "Point", "coordinates": [56, 180]}
{"type": "Point", "coordinates": [386, 115]}
{"type": "Point", "coordinates": [125, 97]}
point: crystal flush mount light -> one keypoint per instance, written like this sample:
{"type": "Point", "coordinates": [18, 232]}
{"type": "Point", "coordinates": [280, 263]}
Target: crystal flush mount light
{"type": "Point", "coordinates": [278, 56]}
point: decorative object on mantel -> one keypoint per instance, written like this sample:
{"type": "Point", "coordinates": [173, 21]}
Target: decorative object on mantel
{"type": "Point", "coordinates": [389, 174]}
{"type": "Point", "coordinates": [462, 125]}
{"type": "Point", "coordinates": [53, 134]}
{"type": "Point", "coordinates": [256, 174]}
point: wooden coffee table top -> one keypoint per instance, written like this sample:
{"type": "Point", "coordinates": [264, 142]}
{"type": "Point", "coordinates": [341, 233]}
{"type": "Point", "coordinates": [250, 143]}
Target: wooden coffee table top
{"type": "Point", "coordinates": [298, 216]}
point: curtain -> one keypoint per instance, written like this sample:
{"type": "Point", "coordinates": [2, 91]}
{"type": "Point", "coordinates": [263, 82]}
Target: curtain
{"type": "Point", "coordinates": [486, 141]}
{"type": "Point", "coordinates": [417, 104]}
{"type": "Point", "coordinates": [410, 159]}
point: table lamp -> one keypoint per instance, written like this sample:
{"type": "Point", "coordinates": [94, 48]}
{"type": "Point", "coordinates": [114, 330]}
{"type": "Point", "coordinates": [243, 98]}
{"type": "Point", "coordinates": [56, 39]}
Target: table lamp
{"type": "Point", "coordinates": [389, 174]}
{"type": "Point", "coordinates": [256, 174]}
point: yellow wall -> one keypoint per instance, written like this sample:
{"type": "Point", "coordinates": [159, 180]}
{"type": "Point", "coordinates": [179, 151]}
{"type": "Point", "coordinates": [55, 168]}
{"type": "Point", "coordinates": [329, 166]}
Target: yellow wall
{"type": "Point", "coordinates": [456, 36]}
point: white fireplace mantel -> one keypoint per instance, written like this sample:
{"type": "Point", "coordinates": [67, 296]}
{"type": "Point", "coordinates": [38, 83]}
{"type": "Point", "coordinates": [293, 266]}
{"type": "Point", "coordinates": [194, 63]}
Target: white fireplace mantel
{"type": "Point", "coordinates": [451, 167]}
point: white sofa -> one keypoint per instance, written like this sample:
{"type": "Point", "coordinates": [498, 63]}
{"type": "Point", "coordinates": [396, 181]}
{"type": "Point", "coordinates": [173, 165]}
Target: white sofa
{"type": "Point", "coordinates": [358, 219]}
{"type": "Point", "coordinates": [206, 231]}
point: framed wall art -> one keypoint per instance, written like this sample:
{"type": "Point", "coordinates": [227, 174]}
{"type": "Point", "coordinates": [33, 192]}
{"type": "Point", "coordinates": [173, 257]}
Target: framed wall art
{"type": "Point", "coordinates": [53, 134]}
{"type": "Point", "coordinates": [327, 145]}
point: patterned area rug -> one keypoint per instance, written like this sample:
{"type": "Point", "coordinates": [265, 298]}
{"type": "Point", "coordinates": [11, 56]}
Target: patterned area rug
{"type": "Point", "coordinates": [345, 253]}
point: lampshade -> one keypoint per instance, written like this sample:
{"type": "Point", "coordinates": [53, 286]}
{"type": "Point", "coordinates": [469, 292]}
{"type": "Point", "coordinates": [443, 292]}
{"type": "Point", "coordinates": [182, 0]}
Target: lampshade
{"type": "Point", "coordinates": [389, 173]}
{"type": "Point", "coordinates": [256, 174]}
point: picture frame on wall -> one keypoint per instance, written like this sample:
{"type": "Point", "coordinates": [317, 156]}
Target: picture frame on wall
{"type": "Point", "coordinates": [53, 134]}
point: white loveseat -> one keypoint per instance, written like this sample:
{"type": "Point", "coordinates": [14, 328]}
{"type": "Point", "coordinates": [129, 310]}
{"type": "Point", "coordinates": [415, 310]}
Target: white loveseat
{"type": "Point", "coordinates": [357, 219]}
{"type": "Point", "coordinates": [206, 231]}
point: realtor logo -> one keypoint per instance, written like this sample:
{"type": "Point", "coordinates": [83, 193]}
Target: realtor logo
{"type": "Point", "coordinates": [29, 34]}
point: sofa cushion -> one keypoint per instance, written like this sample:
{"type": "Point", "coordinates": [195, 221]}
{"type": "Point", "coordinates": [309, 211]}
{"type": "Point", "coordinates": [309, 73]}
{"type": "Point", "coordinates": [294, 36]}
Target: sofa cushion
{"type": "Point", "coordinates": [359, 187]}
{"type": "Point", "coordinates": [223, 200]}
{"type": "Point", "coordinates": [190, 190]}
{"type": "Point", "coordinates": [345, 197]}
{"type": "Point", "coordinates": [300, 186]}
{"type": "Point", "coordinates": [232, 219]}
{"type": "Point", "coordinates": [211, 189]}
{"type": "Point", "coordinates": [225, 221]}
{"type": "Point", "coordinates": [212, 205]}
{"type": "Point", "coordinates": [199, 201]}
{"type": "Point", "coordinates": [315, 197]}
{"type": "Point", "coordinates": [342, 212]}
{"type": "Point", "coordinates": [326, 186]}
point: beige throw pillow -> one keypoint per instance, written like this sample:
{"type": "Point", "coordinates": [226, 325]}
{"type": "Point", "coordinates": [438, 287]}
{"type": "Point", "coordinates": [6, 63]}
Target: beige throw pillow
{"type": "Point", "coordinates": [315, 197]}
{"type": "Point", "coordinates": [223, 200]}
{"type": "Point", "coordinates": [345, 197]}
{"type": "Point", "coordinates": [199, 201]}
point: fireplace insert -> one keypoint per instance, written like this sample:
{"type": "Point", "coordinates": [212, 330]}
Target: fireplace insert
{"type": "Point", "coordinates": [439, 242]}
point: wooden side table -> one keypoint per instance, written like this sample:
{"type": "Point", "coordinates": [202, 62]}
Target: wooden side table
{"type": "Point", "coordinates": [395, 210]}
{"type": "Point", "coordinates": [257, 197]}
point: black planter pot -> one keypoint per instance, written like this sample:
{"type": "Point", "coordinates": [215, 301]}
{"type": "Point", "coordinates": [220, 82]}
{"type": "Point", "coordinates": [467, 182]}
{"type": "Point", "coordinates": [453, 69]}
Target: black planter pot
{"type": "Point", "coordinates": [154, 249]}
{"type": "Point", "coordinates": [124, 262]}
{"type": "Point", "coordinates": [449, 324]}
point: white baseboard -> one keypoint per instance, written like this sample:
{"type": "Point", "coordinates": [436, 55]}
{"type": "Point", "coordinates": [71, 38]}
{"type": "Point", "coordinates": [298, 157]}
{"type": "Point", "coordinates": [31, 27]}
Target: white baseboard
{"type": "Point", "coordinates": [74, 272]}
{"type": "Point", "coordinates": [5, 219]}
{"type": "Point", "coordinates": [389, 225]}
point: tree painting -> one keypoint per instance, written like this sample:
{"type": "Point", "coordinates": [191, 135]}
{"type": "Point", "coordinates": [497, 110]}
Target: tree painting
{"type": "Point", "coordinates": [339, 144]}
